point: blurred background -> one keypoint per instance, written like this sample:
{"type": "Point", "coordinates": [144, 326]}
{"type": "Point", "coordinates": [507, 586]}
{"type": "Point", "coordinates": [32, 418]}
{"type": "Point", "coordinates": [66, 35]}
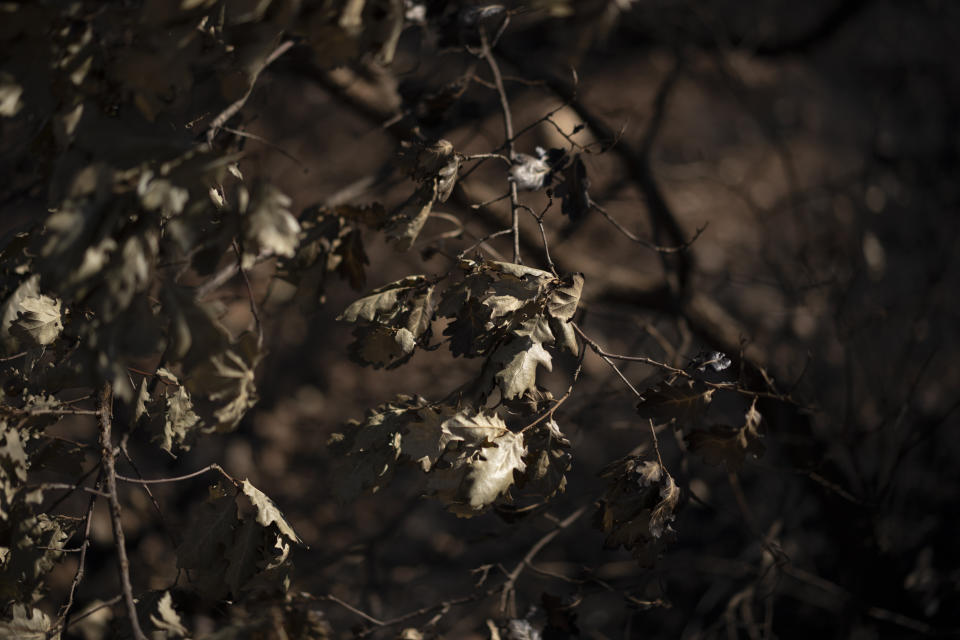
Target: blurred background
{"type": "Point", "coordinates": [815, 146]}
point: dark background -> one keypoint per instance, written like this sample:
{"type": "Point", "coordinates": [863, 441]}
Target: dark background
{"type": "Point", "coordinates": [818, 142]}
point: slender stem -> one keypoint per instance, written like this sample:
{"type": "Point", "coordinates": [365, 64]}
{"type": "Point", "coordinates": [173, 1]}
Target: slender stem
{"type": "Point", "coordinates": [108, 603]}
{"type": "Point", "coordinates": [656, 445]}
{"type": "Point", "coordinates": [487, 55]}
{"type": "Point", "coordinates": [484, 239]}
{"type": "Point", "coordinates": [36, 411]}
{"type": "Point", "coordinates": [253, 302]}
{"type": "Point", "coordinates": [514, 575]}
{"type": "Point", "coordinates": [352, 609]}
{"type": "Point", "coordinates": [646, 243]}
{"type": "Point", "coordinates": [233, 108]}
{"type": "Point", "coordinates": [108, 460]}
{"type": "Point", "coordinates": [199, 472]}
{"type": "Point", "coordinates": [78, 576]}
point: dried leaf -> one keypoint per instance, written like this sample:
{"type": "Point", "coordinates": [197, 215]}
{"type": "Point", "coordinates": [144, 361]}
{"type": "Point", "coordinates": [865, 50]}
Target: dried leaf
{"type": "Point", "coordinates": [226, 379]}
{"type": "Point", "coordinates": [681, 400]}
{"type": "Point", "coordinates": [469, 335]}
{"type": "Point", "coordinates": [516, 366]}
{"type": "Point", "coordinates": [180, 421]}
{"type": "Point", "coordinates": [166, 619]}
{"type": "Point", "coordinates": [383, 300]}
{"type": "Point", "coordinates": [268, 225]}
{"type": "Point", "coordinates": [353, 259]}
{"type": "Point", "coordinates": [566, 337]}
{"type": "Point", "coordinates": [367, 452]}
{"type": "Point", "coordinates": [267, 512]}
{"type": "Point", "coordinates": [638, 507]}
{"type": "Point", "coordinates": [436, 163]}
{"type": "Point", "coordinates": [405, 224]}
{"type": "Point", "coordinates": [10, 92]}
{"type": "Point", "coordinates": [729, 445]}
{"type": "Point", "coordinates": [548, 459]}
{"type": "Point", "coordinates": [38, 321]}
{"type": "Point", "coordinates": [35, 545]}
{"type": "Point", "coordinates": [381, 346]}
{"type": "Point", "coordinates": [563, 301]}
{"type": "Point", "coordinates": [26, 623]}
{"type": "Point", "coordinates": [482, 468]}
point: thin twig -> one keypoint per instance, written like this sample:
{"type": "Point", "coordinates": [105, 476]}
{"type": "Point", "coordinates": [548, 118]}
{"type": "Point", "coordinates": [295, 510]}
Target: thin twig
{"type": "Point", "coordinates": [108, 460]}
{"type": "Point", "coordinates": [656, 445]}
{"type": "Point", "coordinates": [63, 486]}
{"type": "Point", "coordinates": [509, 586]}
{"type": "Point", "coordinates": [253, 302]}
{"type": "Point", "coordinates": [217, 123]}
{"type": "Point", "coordinates": [262, 140]}
{"type": "Point", "coordinates": [722, 386]}
{"type": "Point", "coordinates": [76, 486]}
{"type": "Point", "coordinates": [146, 489]}
{"type": "Point", "coordinates": [78, 576]}
{"type": "Point", "coordinates": [108, 603]}
{"type": "Point", "coordinates": [605, 357]}
{"type": "Point", "coordinates": [483, 240]}
{"type": "Point", "coordinates": [199, 472]}
{"type": "Point", "coordinates": [487, 55]}
{"type": "Point", "coordinates": [39, 411]}
{"type": "Point", "coordinates": [352, 609]}
{"type": "Point", "coordinates": [646, 243]}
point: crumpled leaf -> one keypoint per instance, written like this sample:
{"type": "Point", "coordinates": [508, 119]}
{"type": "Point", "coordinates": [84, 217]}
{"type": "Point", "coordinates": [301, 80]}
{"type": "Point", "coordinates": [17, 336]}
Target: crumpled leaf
{"type": "Point", "coordinates": [681, 400]}
{"type": "Point", "coordinates": [11, 308]}
{"type": "Point", "coordinates": [367, 452]}
{"type": "Point", "coordinates": [563, 301]}
{"type": "Point", "coordinates": [382, 300]}
{"type": "Point", "coordinates": [36, 544]}
{"type": "Point", "coordinates": [38, 321]}
{"type": "Point", "coordinates": [638, 507]}
{"type": "Point", "coordinates": [424, 438]}
{"type": "Point", "coordinates": [232, 551]}
{"type": "Point", "coordinates": [180, 421]}
{"type": "Point", "coordinates": [226, 380]}
{"type": "Point", "coordinates": [380, 346]}
{"type": "Point", "coordinates": [469, 333]}
{"type": "Point", "coordinates": [26, 623]}
{"type": "Point", "coordinates": [166, 619]}
{"type": "Point", "coordinates": [353, 259]}
{"type": "Point", "coordinates": [392, 321]}
{"type": "Point", "coordinates": [566, 337]}
{"type": "Point", "coordinates": [516, 364]}
{"type": "Point", "coordinates": [267, 512]}
{"type": "Point", "coordinates": [481, 468]}
{"type": "Point", "coordinates": [268, 226]}
{"type": "Point", "coordinates": [729, 445]}
{"type": "Point", "coordinates": [467, 457]}
{"type": "Point", "coordinates": [405, 224]}
{"type": "Point", "coordinates": [548, 459]}
{"type": "Point", "coordinates": [436, 162]}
